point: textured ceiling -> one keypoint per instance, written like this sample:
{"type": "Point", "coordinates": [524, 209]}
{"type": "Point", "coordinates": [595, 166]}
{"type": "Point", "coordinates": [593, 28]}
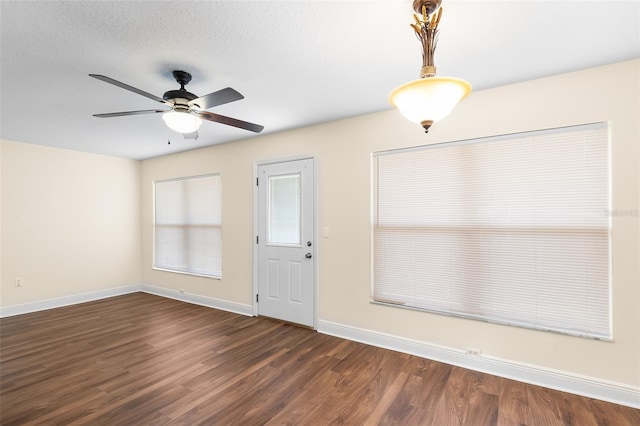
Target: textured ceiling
{"type": "Point", "coordinates": [296, 62]}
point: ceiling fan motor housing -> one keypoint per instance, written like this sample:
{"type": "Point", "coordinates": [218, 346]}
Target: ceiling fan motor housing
{"type": "Point", "coordinates": [173, 94]}
{"type": "Point", "coordinates": [180, 96]}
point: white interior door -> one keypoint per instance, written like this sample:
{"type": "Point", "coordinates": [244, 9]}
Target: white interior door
{"type": "Point", "coordinates": [286, 246]}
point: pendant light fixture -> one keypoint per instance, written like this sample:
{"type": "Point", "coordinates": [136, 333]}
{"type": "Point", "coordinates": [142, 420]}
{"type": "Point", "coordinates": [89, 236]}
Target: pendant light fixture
{"type": "Point", "coordinates": [429, 98]}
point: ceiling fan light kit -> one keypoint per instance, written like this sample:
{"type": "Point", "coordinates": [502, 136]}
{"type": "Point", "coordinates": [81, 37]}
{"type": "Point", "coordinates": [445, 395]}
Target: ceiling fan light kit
{"type": "Point", "coordinates": [181, 121]}
{"type": "Point", "coordinates": [429, 98]}
{"type": "Point", "coordinates": [186, 109]}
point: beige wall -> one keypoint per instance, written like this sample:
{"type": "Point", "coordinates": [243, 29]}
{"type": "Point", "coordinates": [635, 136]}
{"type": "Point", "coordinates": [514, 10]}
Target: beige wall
{"type": "Point", "coordinates": [70, 222]}
{"type": "Point", "coordinates": [343, 149]}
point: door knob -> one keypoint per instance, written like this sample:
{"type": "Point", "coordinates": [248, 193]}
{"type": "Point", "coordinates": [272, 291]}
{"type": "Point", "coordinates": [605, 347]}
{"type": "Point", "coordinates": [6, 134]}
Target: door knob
{"type": "Point", "coordinates": [308, 255]}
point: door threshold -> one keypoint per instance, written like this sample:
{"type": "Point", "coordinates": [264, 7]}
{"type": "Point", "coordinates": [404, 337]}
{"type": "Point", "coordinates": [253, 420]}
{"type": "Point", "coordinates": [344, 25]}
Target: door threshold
{"type": "Point", "coordinates": [295, 324]}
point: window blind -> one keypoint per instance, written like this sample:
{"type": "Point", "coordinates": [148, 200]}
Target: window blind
{"type": "Point", "coordinates": [512, 229]}
{"type": "Point", "coordinates": [188, 225]}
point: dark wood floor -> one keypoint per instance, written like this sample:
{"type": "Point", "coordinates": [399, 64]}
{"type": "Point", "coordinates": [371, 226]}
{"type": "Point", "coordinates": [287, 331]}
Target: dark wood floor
{"type": "Point", "coordinates": [142, 359]}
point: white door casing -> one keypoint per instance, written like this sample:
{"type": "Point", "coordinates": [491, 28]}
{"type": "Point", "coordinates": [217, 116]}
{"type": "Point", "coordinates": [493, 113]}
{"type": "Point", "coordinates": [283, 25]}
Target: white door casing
{"type": "Point", "coordinates": [286, 246]}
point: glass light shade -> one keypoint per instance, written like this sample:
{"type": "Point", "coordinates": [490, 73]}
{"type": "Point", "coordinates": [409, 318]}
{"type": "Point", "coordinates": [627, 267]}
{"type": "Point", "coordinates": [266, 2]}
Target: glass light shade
{"type": "Point", "coordinates": [182, 122]}
{"type": "Point", "coordinates": [429, 99]}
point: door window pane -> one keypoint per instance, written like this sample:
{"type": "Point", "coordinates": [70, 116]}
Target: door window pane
{"type": "Point", "coordinates": [284, 209]}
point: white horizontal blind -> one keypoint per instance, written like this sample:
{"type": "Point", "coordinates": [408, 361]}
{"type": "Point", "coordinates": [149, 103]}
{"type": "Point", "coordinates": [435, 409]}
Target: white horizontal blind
{"type": "Point", "coordinates": [188, 225]}
{"type": "Point", "coordinates": [511, 229]}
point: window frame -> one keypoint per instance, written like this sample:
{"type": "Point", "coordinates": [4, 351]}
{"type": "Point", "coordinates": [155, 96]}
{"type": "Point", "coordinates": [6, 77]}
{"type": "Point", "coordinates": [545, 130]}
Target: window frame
{"type": "Point", "coordinates": [154, 225]}
{"type": "Point", "coordinates": [598, 335]}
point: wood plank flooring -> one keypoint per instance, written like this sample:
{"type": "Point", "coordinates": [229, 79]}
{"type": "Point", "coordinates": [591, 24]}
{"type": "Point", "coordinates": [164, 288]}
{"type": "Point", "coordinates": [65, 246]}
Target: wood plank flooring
{"type": "Point", "coordinates": [140, 359]}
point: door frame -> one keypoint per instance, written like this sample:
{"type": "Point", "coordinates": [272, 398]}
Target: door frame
{"type": "Point", "coordinates": [256, 218]}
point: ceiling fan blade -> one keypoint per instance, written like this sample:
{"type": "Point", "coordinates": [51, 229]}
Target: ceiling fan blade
{"type": "Point", "coordinates": [230, 121]}
{"type": "Point", "coordinates": [220, 97]}
{"type": "Point", "coordinates": [124, 113]}
{"type": "Point", "coordinates": [129, 88]}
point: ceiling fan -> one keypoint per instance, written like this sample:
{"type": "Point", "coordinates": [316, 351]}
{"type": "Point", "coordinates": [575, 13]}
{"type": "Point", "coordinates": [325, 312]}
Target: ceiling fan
{"type": "Point", "coordinates": [186, 109]}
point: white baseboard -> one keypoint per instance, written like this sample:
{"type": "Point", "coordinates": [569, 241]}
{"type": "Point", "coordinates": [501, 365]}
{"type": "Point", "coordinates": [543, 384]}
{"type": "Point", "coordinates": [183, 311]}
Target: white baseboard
{"type": "Point", "coordinates": [617, 393]}
{"type": "Point", "coordinates": [41, 305]}
{"type": "Point", "coordinates": [197, 299]}
{"type": "Point", "coordinates": [58, 302]}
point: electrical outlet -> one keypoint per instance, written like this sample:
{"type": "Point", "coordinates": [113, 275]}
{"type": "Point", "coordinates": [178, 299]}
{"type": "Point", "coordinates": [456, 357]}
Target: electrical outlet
{"type": "Point", "coordinates": [19, 281]}
{"type": "Point", "coordinates": [472, 351]}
